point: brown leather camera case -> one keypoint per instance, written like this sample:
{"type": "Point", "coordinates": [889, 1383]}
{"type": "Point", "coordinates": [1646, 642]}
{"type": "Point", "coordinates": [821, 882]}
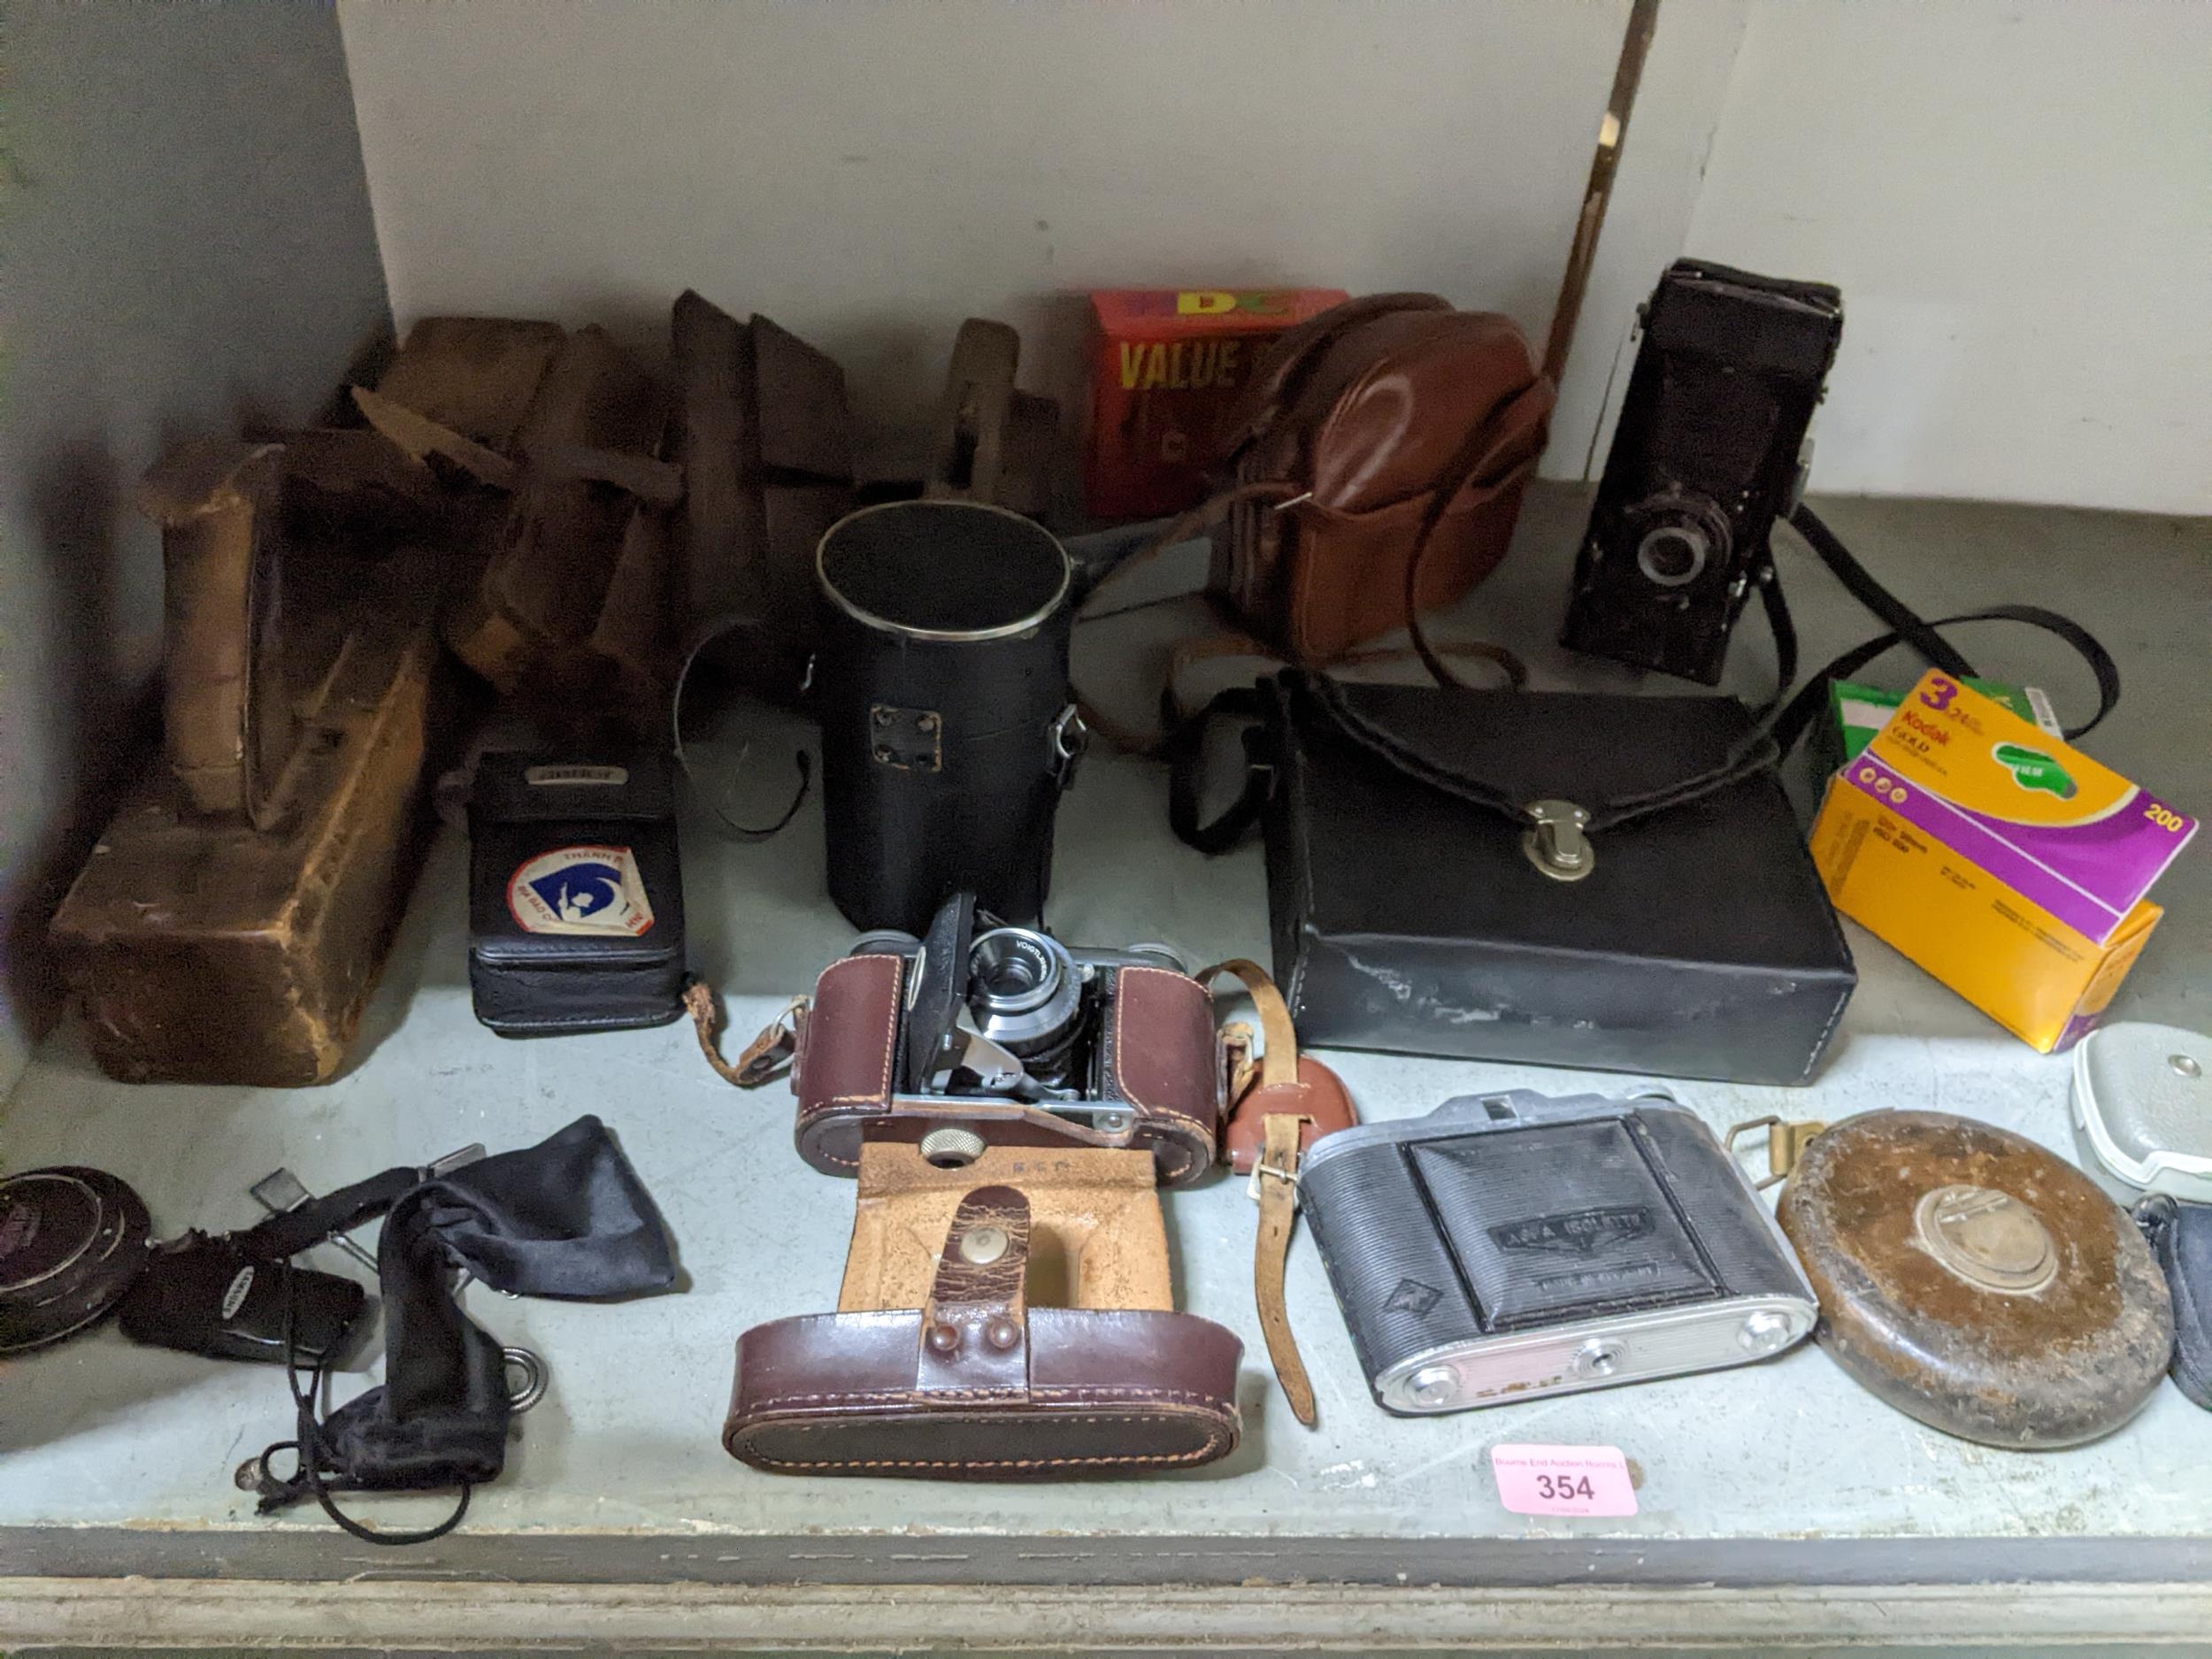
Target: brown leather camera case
{"type": "Point", "coordinates": [1350, 425]}
{"type": "Point", "coordinates": [1161, 1060]}
{"type": "Point", "coordinates": [937, 1363]}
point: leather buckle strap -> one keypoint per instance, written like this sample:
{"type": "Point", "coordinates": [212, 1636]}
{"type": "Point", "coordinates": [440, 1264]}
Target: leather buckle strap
{"type": "Point", "coordinates": [1186, 755]}
{"type": "Point", "coordinates": [767, 1057]}
{"type": "Point", "coordinates": [1276, 1177]}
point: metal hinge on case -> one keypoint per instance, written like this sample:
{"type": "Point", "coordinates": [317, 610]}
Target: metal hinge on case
{"type": "Point", "coordinates": [1067, 738]}
{"type": "Point", "coordinates": [1554, 842]}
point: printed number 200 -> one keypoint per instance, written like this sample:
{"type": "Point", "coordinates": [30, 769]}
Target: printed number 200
{"type": "Point", "coordinates": [1563, 1487]}
{"type": "Point", "coordinates": [2165, 817]}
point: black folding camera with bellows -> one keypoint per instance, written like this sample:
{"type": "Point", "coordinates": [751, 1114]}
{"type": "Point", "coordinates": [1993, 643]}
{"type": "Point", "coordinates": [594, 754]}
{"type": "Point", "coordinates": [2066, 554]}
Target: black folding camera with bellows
{"type": "Point", "coordinates": [1708, 453]}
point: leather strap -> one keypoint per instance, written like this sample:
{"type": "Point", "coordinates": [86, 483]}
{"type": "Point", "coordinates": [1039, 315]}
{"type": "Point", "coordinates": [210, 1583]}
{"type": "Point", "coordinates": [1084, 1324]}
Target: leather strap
{"type": "Point", "coordinates": [1475, 479]}
{"type": "Point", "coordinates": [1277, 1174]}
{"type": "Point", "coordinates": [975, 1335]}
{"type": "Point", "coordinates": [1907, 628]}
{"type": "Point", "coordinates": [802, 762]}
{"type": "Point", "coordinates": [1281, 1080]}
{"type": "Point", "coordinates": [764, 1057]}
{"type": "Point", "coordinates": [1185, 750]}
{"type": "Point", "coordinates": [1279, 1060]}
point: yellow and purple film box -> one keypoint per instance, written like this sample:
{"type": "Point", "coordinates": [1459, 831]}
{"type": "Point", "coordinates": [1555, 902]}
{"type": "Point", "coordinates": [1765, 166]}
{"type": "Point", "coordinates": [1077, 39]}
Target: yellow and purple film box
{"type": "Point", "coordinates": [2004, 861]}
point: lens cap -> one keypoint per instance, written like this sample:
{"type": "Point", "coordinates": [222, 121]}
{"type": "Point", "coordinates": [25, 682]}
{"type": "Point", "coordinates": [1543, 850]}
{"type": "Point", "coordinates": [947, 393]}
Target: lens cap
{"type": "Point", "coordinates": [70, 1242]}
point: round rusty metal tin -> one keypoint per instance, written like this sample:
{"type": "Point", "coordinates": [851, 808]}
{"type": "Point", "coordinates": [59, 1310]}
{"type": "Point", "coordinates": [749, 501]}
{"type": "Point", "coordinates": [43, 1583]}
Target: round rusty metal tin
{"type": "Point", "coordinates": [1976, 1282]}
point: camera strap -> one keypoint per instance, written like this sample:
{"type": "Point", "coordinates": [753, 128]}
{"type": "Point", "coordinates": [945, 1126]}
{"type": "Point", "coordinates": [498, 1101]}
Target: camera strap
{"type": "Point", "coordinates": [1906, 627]}
{"type": "Point", "coordinates": [745, 628]}
{"type": "Point", "coordinates": [1779, 726]}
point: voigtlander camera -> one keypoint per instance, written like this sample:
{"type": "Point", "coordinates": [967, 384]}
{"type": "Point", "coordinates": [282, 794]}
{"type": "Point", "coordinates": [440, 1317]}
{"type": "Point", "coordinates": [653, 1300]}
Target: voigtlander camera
{"type": "Point", "coordinates": [976, 1036]}
{"type": "Point", "coordinates": [1510, 1246]}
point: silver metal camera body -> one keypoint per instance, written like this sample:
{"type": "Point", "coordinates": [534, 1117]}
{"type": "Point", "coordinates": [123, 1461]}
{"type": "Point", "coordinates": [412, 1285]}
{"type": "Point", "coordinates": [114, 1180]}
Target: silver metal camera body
{"type": "Point", "coordinates": [1510, 1246]}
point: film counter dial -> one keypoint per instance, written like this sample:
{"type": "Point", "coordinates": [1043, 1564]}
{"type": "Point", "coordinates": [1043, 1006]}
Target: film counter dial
{"type": "Point", "coordinates": [1509, 1246]}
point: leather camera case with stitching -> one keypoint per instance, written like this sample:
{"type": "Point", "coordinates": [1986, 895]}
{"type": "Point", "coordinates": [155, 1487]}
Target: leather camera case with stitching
{"type": "Point", "coordinates": [1162, 1062]}
{"type": "Point", "coordinates": [1354, 417]}
{"type": "Point", "coordinates": [976, 1383]}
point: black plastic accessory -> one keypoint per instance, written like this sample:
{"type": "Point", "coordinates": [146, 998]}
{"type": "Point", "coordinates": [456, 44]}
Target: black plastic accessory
{"type": "Point", "coordinates": [210, 1295]}
{"type": "Point", "coordinates": [2180, 1236]}
{"type": "Point", "coordinates": [576, 904]}
{"type": "Point", "coordinates": [71, 1241]}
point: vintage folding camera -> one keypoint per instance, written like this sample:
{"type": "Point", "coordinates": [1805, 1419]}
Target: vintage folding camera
{"type": "Point", "coordinates": [1008, 1109]}
{"type": "Point", "coordinates": [982, 1034]}
{"type": "Point", "coordinates": [1709, 451]}
{"type": "Point", "coordinates": [1509, 1246]}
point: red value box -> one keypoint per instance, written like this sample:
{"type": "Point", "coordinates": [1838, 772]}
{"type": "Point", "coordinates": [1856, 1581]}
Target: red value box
{"type": "Point", "coordinates": [1168, 363]}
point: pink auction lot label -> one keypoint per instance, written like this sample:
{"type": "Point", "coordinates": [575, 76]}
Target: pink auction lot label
{"type": "Point", "coordinates": [1563, 1480]}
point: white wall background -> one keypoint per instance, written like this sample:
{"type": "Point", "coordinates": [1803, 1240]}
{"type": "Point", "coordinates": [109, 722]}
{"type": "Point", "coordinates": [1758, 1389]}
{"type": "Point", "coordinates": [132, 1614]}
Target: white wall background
{"type": "Point", "coordinates": [184, 244]}
{"type": "Point", "coordinates": [2016, 195]}
{"type": "Point", "coordinates": [868, 173]}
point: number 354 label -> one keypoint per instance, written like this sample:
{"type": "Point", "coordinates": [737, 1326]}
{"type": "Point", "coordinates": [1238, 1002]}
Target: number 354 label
{"type": "Point", "coordinates": [1563, 1480]}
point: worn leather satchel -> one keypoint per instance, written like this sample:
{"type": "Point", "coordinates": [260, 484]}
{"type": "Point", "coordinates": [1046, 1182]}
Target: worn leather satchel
{"type": "Point", "coordinates": [1378, 459]}
{"type": "Point", "coordinates": [1375, 472]}
{"type": "Point", "coordinates": [1541, 878]}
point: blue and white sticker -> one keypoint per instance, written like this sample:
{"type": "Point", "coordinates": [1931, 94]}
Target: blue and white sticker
{"type": "Point", "coordinates": [583, 890]}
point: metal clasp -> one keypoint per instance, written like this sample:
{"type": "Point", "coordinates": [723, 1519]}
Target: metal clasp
{"type": "Point", "coordinates": [1554, 842]}
{"type": "Point", "coordinates": [1262, 1167]}
{"type": "Point", "coordinates": [1786, 1144]}
{"type": "Point", "coordinates": [1069, 737]}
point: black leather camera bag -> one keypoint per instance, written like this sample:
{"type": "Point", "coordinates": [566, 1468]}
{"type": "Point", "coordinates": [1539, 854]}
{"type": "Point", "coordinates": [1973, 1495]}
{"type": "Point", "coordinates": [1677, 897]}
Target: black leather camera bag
{"type": "Point", "coordinates": [1411, 912]}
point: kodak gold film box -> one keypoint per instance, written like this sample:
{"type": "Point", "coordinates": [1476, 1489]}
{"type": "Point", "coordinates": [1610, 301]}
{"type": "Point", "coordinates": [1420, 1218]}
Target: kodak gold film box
{"type": "Point", "coordinates": [2002, 860]}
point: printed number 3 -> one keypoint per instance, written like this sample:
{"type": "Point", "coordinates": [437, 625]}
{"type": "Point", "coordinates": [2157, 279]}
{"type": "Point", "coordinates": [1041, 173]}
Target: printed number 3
{"type": "Point", "coordinates": [1558, 1486]}
{"type": "Point", "coordinates": [1938, 694]}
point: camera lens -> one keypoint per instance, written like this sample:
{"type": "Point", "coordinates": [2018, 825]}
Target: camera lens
{"type": "Point", "coordinates": [1673, 554]}
{"type": "Point", "coordinates": [1013, 969]}
{"type": "Point", "coordinates": [1024, 989]}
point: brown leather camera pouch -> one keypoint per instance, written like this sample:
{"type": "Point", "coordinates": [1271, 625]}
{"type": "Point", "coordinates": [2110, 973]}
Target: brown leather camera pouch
{"type": "Point", "coordinates": [1160, 1063]}
{"type": "Point", "coordinates": [1377, 461]}
{"type": "Point", "coordinates": [1379, 455]}
{"type": "Point", "coordinates": [941, 1363]}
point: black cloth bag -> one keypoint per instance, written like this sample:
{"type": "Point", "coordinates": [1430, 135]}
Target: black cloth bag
{"type": "Point", "coordinates": [567, 1218]}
